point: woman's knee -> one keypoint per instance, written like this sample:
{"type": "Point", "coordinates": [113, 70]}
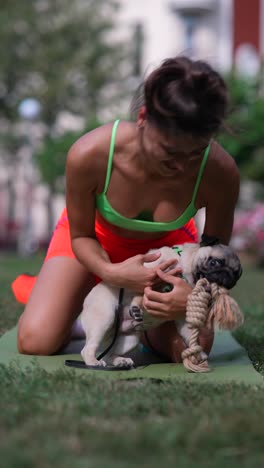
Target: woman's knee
{"type": "Point", "coordinates": [32, 340]}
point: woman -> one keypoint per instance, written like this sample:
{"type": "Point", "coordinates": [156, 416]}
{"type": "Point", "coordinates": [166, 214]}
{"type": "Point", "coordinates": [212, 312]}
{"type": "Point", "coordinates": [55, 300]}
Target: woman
{"type": "Point", "coordinates": [133, 186]}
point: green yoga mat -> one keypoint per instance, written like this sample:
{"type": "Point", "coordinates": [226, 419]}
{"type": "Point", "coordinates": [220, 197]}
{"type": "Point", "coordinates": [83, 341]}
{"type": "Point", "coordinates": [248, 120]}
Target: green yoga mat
{"type": "Point", "coordinates": [228, 360]}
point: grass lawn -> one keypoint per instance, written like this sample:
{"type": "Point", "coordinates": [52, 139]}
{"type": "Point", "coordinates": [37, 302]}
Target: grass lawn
{"type": "Point", "coordinates": [53, 420]}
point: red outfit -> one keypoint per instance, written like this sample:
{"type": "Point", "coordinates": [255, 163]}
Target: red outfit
{"type": "Point", "coordinates": [117, 247]}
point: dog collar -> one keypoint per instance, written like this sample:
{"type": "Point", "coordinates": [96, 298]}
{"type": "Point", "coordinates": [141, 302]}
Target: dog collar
{"type": "Point", "coordinates": [179, 252]}
{"type": "Point", "coordinates": [177, 249]}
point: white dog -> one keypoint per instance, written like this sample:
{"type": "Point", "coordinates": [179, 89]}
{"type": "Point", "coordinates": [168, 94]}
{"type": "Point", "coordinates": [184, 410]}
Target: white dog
{"type": "Point", "coordinates": [99, 317]}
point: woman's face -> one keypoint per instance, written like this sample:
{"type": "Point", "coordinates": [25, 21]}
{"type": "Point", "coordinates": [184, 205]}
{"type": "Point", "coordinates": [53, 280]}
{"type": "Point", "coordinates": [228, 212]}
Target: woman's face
{"type": "Point", "coordinates": [169, 155]}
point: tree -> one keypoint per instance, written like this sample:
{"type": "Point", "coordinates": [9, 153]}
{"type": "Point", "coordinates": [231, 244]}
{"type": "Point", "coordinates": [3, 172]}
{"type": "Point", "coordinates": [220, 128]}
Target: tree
{"type": "Point", "coordinates": [61, 53]}
{"type": "Point", "coordinates": [245, 138]}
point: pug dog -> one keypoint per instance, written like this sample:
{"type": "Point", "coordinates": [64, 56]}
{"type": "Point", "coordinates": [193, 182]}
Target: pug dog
{"type": "Point", "coordinates": [103, 306]}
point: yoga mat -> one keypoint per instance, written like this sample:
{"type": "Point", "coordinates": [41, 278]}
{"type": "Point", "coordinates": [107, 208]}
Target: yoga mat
{"type": "Point", "coordinates": [228, 360]}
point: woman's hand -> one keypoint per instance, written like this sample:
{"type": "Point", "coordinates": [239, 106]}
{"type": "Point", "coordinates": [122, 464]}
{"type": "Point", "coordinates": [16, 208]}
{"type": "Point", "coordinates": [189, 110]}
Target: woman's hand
{"type": "Point", "coordinates": [169, 305]}
{"type": "Point", "coordinates": [132, 273]}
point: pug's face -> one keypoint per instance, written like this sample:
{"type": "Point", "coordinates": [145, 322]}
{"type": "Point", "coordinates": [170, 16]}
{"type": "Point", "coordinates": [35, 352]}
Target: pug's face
{"type": "Point", "coordinates": [218, 264]}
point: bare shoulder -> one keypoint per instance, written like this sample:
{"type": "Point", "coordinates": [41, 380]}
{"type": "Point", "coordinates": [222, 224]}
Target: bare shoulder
{"type": "Point", "coordinates": [88, 156]}
{"type": "Point", "coordinates": [221, 179]}
{"type": "Point", "coordinates": [83, 153]}
{"type": "Point", "coordinates": [221, 173]}
{"type": "Point", "coordinates": [97, 143]}
{"type": "Point", "coordinates": [222, 165]}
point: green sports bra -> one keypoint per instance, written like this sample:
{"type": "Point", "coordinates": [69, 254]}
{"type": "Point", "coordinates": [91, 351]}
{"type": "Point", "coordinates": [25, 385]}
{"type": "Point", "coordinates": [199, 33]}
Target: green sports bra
{"type": "Point", "coordinates": [113, 217]}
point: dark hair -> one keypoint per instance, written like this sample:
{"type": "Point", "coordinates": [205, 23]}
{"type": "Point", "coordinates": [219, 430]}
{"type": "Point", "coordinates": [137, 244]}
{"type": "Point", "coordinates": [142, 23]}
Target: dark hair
{"type": "Point", "coordinates": [183, 95]}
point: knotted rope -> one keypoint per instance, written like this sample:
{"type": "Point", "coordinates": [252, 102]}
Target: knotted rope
{"type": "Point", "coordinates": [208, 304]}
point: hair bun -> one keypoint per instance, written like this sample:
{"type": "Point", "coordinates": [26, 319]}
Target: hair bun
{"type": "Point", "coordinates": [187, 96]}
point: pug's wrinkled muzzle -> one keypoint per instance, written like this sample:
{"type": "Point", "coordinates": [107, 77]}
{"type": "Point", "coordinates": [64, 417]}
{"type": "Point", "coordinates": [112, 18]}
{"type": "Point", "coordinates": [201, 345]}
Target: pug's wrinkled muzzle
{"type": "Point", "coordinates": [222, 276]}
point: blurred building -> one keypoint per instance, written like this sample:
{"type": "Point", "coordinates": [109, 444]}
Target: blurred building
{"type": "Point", "coordinates": [214, 30]}
{"type": "Point", "coordinates": [225, 33]}
{"type": "Point", "coordinates": [198, 28]}
{"type": "Point", "coordinates": [248, 35]}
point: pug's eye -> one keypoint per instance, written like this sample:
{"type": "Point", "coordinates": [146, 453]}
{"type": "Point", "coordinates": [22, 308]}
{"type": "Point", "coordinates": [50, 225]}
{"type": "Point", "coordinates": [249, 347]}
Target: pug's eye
{"type": "Point", "coordinates": [215, 262]}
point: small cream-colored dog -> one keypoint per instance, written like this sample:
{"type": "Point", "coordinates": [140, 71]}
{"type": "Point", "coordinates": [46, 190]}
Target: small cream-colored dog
{"type": "Point", "coordinates": [217, 263]}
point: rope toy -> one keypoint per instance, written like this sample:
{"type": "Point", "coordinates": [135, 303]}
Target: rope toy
{"type": "Point", "coordinates": [208, 305]}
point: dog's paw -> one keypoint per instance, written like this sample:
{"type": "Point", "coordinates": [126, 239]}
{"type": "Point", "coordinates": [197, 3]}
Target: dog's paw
{"type": "Point", "coordinates": [120, 361]}
{"type": "Point", "coordinates": [101, 363]}
{"type": "Point", "coordinates": [95, 362]}
{"type": "Point", "coordinates": [91, 360]}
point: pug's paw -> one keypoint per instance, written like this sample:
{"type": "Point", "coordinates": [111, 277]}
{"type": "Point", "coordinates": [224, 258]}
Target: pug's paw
{"type": "Point", "coordinates": [90, 360]}
{"type": "Point", "coordinates": [120, 361]}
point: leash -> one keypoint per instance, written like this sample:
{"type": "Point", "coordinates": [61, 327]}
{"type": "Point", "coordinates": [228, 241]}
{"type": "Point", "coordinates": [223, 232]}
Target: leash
{"type": "Point", "coordinates": [118, 311]}
{"type": "Point", "coordinates": [82, 365]}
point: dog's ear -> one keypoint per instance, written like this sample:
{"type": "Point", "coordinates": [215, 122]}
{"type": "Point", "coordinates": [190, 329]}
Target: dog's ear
{"type": "Point", "coordinates": [209, 240]}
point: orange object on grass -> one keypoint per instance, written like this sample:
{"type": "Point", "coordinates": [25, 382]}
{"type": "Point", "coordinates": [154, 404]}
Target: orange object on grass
{"type": "Point", "coordinates": [22, 287]}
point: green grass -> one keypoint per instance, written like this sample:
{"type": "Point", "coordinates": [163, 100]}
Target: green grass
{"type": "Point", "coordinates": [82, 421]}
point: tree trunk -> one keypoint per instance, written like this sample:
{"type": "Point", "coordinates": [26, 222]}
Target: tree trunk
{"type": "Point", "coordinates": [11, 227]}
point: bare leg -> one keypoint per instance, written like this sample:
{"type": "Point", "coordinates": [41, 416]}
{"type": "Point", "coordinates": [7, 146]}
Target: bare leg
{"type": "Point", "coordinates": [54, 304]}
{"type": "Point", "coordinates": [166, 340]}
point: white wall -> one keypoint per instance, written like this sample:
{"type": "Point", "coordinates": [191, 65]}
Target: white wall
{"type": "Point", "coordinates": [164, 30]}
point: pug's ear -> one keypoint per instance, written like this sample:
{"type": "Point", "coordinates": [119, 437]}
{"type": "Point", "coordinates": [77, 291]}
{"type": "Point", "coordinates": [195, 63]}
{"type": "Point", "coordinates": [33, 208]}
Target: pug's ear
{"type": "Point", "coordinates": [209, 240]}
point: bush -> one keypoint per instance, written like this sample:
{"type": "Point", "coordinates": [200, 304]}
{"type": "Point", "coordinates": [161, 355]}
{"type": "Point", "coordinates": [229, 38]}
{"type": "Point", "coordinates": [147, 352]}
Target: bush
{"type": "Point", "coordinates": [248, 233]}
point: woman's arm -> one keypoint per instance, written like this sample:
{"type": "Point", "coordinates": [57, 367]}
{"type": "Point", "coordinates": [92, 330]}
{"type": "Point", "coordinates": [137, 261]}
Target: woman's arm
{"type": "Point", "coordinates": [84, 176]}
{"type": "Point", "coordinates": [81, 186]}
{"type": "Point", "coordinates": [222, 193]}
